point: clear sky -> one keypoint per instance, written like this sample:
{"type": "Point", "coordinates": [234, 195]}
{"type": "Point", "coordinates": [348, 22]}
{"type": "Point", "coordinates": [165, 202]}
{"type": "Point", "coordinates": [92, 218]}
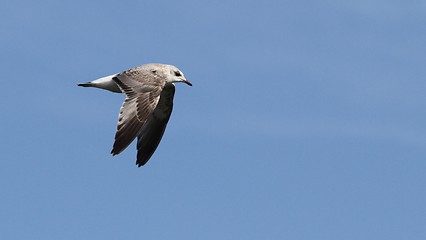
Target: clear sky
{"type": "Point", "coordinates": [306, 120]}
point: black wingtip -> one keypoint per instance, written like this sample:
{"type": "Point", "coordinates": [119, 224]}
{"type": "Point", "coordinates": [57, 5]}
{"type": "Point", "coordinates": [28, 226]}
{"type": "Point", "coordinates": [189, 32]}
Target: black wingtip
{"type": "Point", "coordinates": [113, 152]}
{"type": "Point", "coordinates": [140, 164]}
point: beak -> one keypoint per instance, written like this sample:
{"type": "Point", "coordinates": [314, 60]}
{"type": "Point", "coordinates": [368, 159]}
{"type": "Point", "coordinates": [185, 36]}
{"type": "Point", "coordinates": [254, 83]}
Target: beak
{"type": "Point", "coordinates": [187, 82]}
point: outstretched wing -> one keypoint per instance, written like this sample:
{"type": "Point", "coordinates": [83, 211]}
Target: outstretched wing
{"type": "Point", "coordinates": [142, 96]}
{"type": "Point", "coordinates": [153, 130]}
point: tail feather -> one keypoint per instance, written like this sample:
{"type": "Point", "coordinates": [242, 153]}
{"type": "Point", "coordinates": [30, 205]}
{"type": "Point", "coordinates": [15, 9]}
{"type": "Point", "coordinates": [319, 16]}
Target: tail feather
{"type": "Point", "coordinates": [104, 83]}
{"type": "Point", "coordinates": [88, 84]}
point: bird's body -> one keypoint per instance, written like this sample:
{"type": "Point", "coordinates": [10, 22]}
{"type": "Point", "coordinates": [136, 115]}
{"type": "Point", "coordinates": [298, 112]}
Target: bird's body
{"type": "Point", "coordinates": [149, 91]}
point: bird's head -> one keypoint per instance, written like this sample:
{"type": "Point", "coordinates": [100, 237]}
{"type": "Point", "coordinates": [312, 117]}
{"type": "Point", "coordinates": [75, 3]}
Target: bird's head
{"type": "Point", "coordinates": [173, 74]}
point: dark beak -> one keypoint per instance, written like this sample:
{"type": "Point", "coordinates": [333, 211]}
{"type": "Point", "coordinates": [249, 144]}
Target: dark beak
{"type": "Point", "coordinates": [187, 82]}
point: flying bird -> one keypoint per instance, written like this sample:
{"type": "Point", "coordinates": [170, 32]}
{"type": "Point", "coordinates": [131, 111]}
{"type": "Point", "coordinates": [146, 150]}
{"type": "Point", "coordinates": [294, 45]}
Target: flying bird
{"type": "Point", "coordinates": [149, 91]}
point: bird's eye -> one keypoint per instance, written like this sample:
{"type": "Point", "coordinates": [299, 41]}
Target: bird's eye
{"type": "Point", "coordinates": [178, 74]}
{"type": "Point", "coordinates": [154, 71]}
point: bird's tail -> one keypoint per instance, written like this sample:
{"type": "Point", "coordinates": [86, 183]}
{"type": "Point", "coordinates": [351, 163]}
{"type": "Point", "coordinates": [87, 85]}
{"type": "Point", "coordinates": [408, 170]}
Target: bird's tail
{"type": "Point", "coordinates": [88, 84]}
{"type": "Point", "coordinates": [106, 83]}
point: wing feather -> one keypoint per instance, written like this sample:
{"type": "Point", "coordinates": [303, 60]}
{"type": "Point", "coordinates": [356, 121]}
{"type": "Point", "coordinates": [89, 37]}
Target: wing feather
{"type": "Point", "coordinates": [142, 98]}
{"type": "Point", "coordinates": [153, 130]}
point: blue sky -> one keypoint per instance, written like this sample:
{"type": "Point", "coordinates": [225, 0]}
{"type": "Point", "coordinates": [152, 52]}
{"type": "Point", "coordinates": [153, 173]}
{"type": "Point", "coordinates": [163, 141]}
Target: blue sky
{"type": "Point", "coordinates": [306, 120]}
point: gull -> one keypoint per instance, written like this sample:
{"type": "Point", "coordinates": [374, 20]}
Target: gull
{"type": "Point", "coordinates": [149, 91]}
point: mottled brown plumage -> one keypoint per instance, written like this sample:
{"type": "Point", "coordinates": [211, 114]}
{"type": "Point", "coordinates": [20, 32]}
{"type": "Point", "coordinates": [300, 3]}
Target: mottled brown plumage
{"type": "Point", "coordinates": [149, 91]}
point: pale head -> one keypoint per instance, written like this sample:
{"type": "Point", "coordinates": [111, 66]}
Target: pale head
{"type": "Point", "coordinates": [169, 72]}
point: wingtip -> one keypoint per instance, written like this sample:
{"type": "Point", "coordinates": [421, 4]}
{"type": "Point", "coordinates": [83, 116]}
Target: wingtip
{"type": "Point", "coordinates": [140, 163]}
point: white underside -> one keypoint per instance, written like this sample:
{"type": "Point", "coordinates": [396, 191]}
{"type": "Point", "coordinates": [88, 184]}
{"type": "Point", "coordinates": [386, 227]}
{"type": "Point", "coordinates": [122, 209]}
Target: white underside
{"type": "Point", "coordinates": [106, 83]}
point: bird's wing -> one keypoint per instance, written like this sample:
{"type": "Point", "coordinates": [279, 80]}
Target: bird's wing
{"type": "Point", "coordinates": [142, 96]}
{"type": "Point", "coordinates": [153, 130]}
